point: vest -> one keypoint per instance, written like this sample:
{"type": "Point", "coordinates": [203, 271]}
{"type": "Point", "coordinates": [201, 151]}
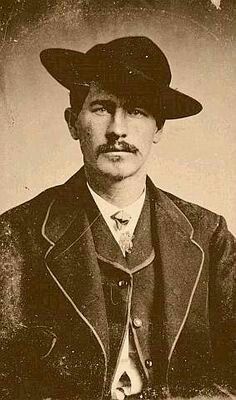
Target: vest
{"type": "Point", "coordinates": [132, 294]}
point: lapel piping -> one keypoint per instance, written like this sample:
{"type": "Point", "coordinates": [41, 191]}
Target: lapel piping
{"type": "Point", "coordinates": [192, 293]}
{"type": "Point", "coordinates": [85, 320]}
{"type": "Point", "coordinates": [52, 245]}
{"type": "Point", "coordinates": [185, 228]}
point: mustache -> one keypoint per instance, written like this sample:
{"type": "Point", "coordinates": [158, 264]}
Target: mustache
{"type": "Point", "coordinates": [121, 146]}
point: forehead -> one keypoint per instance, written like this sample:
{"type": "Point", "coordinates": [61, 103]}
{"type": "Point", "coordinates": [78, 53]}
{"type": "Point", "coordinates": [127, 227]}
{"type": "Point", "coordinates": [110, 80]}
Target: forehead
{"type": "Point", "coordinates": [96, 91]}
{"type": "Point", "coordinates": [121, 98]}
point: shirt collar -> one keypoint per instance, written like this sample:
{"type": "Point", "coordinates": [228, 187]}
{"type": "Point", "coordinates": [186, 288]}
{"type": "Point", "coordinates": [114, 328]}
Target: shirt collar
{"type": "Point", "coordinates": [107, 209]}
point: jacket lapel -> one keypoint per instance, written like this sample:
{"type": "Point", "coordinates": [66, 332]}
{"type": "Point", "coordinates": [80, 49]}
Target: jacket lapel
{"type": "Point", "coordinates": [71, 258]}
{"type": "Point", "coordinates": [181, 261]}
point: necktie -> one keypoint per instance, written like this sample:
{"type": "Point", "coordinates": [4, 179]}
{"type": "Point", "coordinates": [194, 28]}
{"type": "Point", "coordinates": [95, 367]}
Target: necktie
{"type": "Point", "coordinates": [121, 219]}
{"type": "Point", "coordinates": [125, 238]}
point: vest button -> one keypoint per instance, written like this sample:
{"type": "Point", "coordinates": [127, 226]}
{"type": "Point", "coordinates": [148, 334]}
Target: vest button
{"type": "Point", "coordinates": [148, 363]}
{"type": "Point", "coordinates": [122, 283]}
{"type": "Point", "coordinates": [137, 322]}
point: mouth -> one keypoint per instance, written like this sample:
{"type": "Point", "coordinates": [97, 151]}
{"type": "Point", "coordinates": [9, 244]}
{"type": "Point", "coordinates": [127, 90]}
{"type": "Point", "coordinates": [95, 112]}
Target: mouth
{"type": "Point", "coordinates": [114, 149]}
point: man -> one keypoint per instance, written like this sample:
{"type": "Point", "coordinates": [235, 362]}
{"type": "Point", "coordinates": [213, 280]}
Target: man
{"type": "Point", "coordinates": [111, 288]}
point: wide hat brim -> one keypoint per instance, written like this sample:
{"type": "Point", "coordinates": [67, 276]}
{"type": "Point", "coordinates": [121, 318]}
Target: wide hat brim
{"type": "Point", "coordinates": [73, 69]}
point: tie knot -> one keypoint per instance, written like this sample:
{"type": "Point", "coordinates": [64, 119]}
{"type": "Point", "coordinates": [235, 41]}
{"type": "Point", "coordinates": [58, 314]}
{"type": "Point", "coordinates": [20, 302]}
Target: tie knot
{"type": "Point", "coordinates": [121, 219]}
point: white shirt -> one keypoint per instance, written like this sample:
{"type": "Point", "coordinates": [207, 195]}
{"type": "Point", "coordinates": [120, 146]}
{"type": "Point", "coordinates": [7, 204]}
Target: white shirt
{"type": "Point", "coordinates": [126, 364]}
{"type": "Point", "coordinates": [107, 210]}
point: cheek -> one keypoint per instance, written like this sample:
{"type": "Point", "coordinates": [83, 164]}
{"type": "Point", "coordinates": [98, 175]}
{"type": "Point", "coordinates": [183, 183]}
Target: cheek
{"type": "Point", "coordinates": [90, 139]}
{"type": "Point", "coordinates": [143, 135]}
{"type": "Point", "coordinates": [84, 130]}
{"type": "Point", "coordinates": [91, 132]}
{"type": "Point", "coordinates": [84, 134]}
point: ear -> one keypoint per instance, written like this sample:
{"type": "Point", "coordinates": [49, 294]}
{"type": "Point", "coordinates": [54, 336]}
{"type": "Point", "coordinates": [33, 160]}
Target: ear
{"type": "Point", "coordinates": [157, 135]}
{"type": "Point", "coordinates": [71, 118]}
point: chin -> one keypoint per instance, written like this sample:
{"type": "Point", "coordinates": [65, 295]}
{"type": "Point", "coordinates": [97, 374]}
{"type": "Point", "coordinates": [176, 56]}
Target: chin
{"type": "Point", "coordinates": [118, 171]}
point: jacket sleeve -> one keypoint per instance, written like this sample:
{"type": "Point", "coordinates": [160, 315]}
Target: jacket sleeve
{"type": "Point", "coordinates": [222, 298]}
{"type": "Point", "coordinates": [11, 267]}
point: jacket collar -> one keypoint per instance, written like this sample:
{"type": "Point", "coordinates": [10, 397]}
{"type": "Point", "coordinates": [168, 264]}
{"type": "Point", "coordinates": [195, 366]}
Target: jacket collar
{"type": "Point", "coordinates": [72, 262]}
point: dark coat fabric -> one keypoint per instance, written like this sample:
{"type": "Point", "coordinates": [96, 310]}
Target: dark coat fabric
{"type": "Point", "coordinates": [54, 342]}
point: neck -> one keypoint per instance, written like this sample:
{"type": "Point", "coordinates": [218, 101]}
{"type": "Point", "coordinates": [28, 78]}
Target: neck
{"type": "Point", "coordinates": [120, 193]}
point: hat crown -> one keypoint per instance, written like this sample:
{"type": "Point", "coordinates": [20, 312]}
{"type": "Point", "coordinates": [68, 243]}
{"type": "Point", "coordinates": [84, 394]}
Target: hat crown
{"type": "Point", "coordinates": [137, 53]}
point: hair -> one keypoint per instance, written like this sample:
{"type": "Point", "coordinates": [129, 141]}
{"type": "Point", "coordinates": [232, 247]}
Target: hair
{"type": "Point", "coordinates": [77, 98]}
{"type": "Point", "coordinates": [79, 94]}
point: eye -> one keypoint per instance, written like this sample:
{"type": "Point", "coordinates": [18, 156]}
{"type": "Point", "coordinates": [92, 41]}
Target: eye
{"type": "Point", "coordinates": [100, 110]}
{"type": "Point", "coordinates": [137, 112]}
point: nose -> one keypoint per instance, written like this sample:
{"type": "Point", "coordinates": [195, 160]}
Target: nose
{"type": "Point", "coordinates": [117, 127]}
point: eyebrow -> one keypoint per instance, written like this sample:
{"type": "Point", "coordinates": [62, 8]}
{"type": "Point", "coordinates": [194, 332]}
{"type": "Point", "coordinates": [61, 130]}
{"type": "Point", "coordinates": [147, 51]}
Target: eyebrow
{"type": "Point", "coordinates": [138, 102]}
{"type": "Point", "coordinates": [104, 102]}
{"type": "Point", "coordinates": [127, 103]}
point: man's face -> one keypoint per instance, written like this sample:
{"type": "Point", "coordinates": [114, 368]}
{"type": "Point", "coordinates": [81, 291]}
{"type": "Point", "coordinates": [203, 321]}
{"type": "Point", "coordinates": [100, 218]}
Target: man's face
{"type": "Point", "coordinates": [115, 134]}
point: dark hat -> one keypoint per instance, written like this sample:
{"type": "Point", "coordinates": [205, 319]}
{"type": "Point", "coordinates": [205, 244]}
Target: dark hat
{"type": "Point", "coordinates": [133, 63]}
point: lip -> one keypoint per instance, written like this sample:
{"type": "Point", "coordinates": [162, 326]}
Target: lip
{"type": "Point", "coordinates": [117, 152]}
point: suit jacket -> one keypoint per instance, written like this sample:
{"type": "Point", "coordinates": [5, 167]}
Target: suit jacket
{"type": "Point", "coordinates": [53, 326]}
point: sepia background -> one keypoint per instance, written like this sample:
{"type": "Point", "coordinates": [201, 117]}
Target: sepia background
{"type": "Point", "coordinates": [196, 158]}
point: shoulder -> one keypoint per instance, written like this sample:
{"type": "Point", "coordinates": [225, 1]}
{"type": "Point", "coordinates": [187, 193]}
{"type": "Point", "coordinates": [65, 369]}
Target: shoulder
{"type": "Point", "coordinates": [32, 210]}
{"type": "Point", "coordinates": [196, 215]}
{"type": "Point", "coordinates": [193, 211]}
{"type": "Point", "coordinates": [32, 213]}
{"type": "Point", "coordinates": [208, 226]}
